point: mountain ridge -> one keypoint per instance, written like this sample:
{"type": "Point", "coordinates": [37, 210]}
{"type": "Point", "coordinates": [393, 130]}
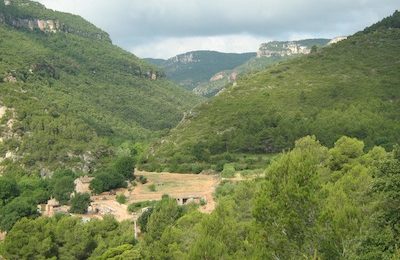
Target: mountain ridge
{"type": "Point", "coordinates": [268, 54]}
{"type": "Point", "coordinates": [329, 93]}
{"type": "Point", "coordinates": [193, 68]}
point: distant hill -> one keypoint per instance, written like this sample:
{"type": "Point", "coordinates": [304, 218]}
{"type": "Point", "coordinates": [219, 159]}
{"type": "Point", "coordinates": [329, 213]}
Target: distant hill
{"type": "Point", "coordinates": [268, 54]}
{"type": "Point", "coordinates": [69, 97]}
{"type": "Point", "coordinates": [349, 88]}
{"type": "Point", "coordinates": [197, 67]}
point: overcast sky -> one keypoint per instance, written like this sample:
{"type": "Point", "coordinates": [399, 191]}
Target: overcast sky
{"type": "Point", "coordinates": [164, 28]}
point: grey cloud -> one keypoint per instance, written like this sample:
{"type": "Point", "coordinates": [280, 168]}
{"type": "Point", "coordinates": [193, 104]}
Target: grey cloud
{"type": "Point", "coordinates": [134, 22]}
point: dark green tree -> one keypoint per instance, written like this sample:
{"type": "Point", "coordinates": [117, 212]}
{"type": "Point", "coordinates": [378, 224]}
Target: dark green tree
{"type": "Point", "coordinates": [382, 240]}
{"type": "Point", "coordinates": [144, 219]}
{"type": "Point", "coordinates": [15, 210]}
{"type": "Point", "coordinates": [80, 203]}
{"type": "Point", "coordinates": [8, 190]}
{"type": "Point", "coordinates": [62, 185]}
{"type": "Point", "coordinates": [107, 180]}
{"type": "Point", "coordinates": [125, 166]}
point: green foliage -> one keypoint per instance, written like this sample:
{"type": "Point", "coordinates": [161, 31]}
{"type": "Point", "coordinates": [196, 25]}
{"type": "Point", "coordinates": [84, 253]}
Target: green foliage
{"type": "Point", "coordinates": [288, 200]}
{"type": "Point", "coordinates": [106, 181]}
{"type": "Point", "coordinates": [58, 73]}
{"type": "Point", "coordinates": [390, 22]}
{"type": "Point", "coordinates": [313, 203]}
{"type": "Point", "coordinates": [15, 210]}
{"type": "Point", "coordinates": [8, 190]}
{"type": "Point", "coordinates": [121, 199]}
{"type": "Point", "coordinates": [62, 185]}
{"type": "Point", "coordinates": [228, 171]}
{"type": "Point", "coordinates": [164, 213]}
{"type": "Point", "coordinates": [340, 90]}
{"type": "Point", "coordinates": [142, 179]}
{"type": "Point", "coordinates": [67, 238]}
{"type": "Point", "coordinates": [255, 64]}
{"type": "Point", "coordinates": [203, 202]}
{"type": "Point", "coordinates": [382, 237]}
{"type": "Point", "coordinates": [152, 187]}
{"type": "Point", "coordinates": [124, 252]}
{"type": "Point", "coordinates": [125, 166]}
{"type": "Point", "coordinates": [143, 220]}
{"type": "Point", "coordinates": [134, 207]}
{"type": "Point", "coordinates": [24, 9]}
{"type": "Point", "coordinates": [21, 200]}
{"type": "Point", "coordinates": [80, 203]}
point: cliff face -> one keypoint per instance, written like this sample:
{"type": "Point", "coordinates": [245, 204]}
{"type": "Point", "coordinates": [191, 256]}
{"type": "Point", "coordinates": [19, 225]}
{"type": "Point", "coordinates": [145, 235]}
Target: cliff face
{"type": "Point", "coordinates": [184, 59]}
{"type": "Point", "coordinates": [337, 39]}
{"type": "Point", "coordinates": [289, 48]}
{"type": "Point", "coordinates": [33, 16]}
{"type": "Point", "coordinates": [47, 26]}
{"type": "Point", "coordinates": [281, 49]}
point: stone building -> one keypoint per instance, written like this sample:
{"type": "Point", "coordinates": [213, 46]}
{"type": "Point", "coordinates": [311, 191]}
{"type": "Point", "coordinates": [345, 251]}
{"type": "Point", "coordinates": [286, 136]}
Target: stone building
{"type": "Point", "coordinates": [52, 207]}
{"type": "Point", "coordinates": [82, 184]}
{"type": "Point", "coordinates": [189, 199]}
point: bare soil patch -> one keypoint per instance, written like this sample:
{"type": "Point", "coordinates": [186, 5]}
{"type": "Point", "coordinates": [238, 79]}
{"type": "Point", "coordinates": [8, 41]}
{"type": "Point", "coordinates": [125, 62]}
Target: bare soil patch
{"type": "Point", "coordinates": [173, 184]}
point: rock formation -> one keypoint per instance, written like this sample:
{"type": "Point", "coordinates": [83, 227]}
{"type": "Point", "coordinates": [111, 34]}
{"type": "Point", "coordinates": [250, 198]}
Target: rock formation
{"type": "Point", "coordinates": [281, 49]}
{"type": "Point", "coordinates": [337, 39]}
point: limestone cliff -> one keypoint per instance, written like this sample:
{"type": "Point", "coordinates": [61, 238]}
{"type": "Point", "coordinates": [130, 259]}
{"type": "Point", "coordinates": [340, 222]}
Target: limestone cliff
{"type": "Point", "coordinates": [288, 48]}
{"type": "Point", "coordinates": [184, 58]}
{"type": "Point", "coordinates": [33, 16]}
{"type": "Point", "coordinates": [281, 49]}
{"type": "Point", "coordinates": [337, 39]}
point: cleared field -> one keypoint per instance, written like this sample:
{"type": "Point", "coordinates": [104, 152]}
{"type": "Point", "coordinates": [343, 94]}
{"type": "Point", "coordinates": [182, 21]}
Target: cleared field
{"type": "Point", "coordinates": [173, 184]}
{"type": "Point", "coordinates": [176, 186]}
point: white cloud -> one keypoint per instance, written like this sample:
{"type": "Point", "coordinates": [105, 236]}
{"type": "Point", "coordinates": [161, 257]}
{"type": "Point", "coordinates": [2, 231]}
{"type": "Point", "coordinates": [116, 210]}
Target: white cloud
{"type": "Point", "coordinates": [166, 48]}
{"type": "Point", "coordinates": [138, 24]}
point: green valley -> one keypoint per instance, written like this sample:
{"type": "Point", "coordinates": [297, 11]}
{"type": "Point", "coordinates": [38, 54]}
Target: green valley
{"type": "Point", "coordinates": [349, 88]}
{"type": "Point", "coordinates": [292, 152]}
{"type": "Point", "coordinates": [193, 68]}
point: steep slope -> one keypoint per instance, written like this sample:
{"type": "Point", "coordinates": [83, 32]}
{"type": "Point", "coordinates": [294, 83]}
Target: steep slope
{"type": "Point", "coordinates": [350, 88]}
{"type": "Point", "coordinates": [268, 54]}
{"type": "Point", "coordinates": [193, 68]}
{"type": "Point", "coordinates": [67, 95]}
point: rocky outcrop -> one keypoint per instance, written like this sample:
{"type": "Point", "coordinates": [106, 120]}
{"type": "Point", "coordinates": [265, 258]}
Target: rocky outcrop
{"type": "Point", "coordinates": [281, 49]}
{"type": "Point", "coordinates": [33, 23]}
{"type": "Point", "coordinates": [47, 26]}
{"type": "Point", "coordinates": [337, 39]}
{"type": "Point", "coordinates": [10, 78]}
{"type": "Point", "coordinates": [184, 59]}
{"type": "Point", "coordinates": [217, 77]}
{"type": "Point", "coordinates": [3, 111]}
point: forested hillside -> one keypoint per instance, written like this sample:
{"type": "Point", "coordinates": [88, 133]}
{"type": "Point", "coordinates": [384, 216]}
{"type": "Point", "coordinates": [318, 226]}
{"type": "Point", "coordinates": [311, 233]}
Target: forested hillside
{"type": "Point", "coordinates": [68, 96]}
{"type": "Point", "coordinates": [196, 67]}
{"type": "Point", "coordinates": [268, 54]}
{"type": "Point", "coordinates": [297, 161]}
{"type": "Point", "coordinates": [350, 88]}
{"type": "Point", "coordinates": [313, 203]}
